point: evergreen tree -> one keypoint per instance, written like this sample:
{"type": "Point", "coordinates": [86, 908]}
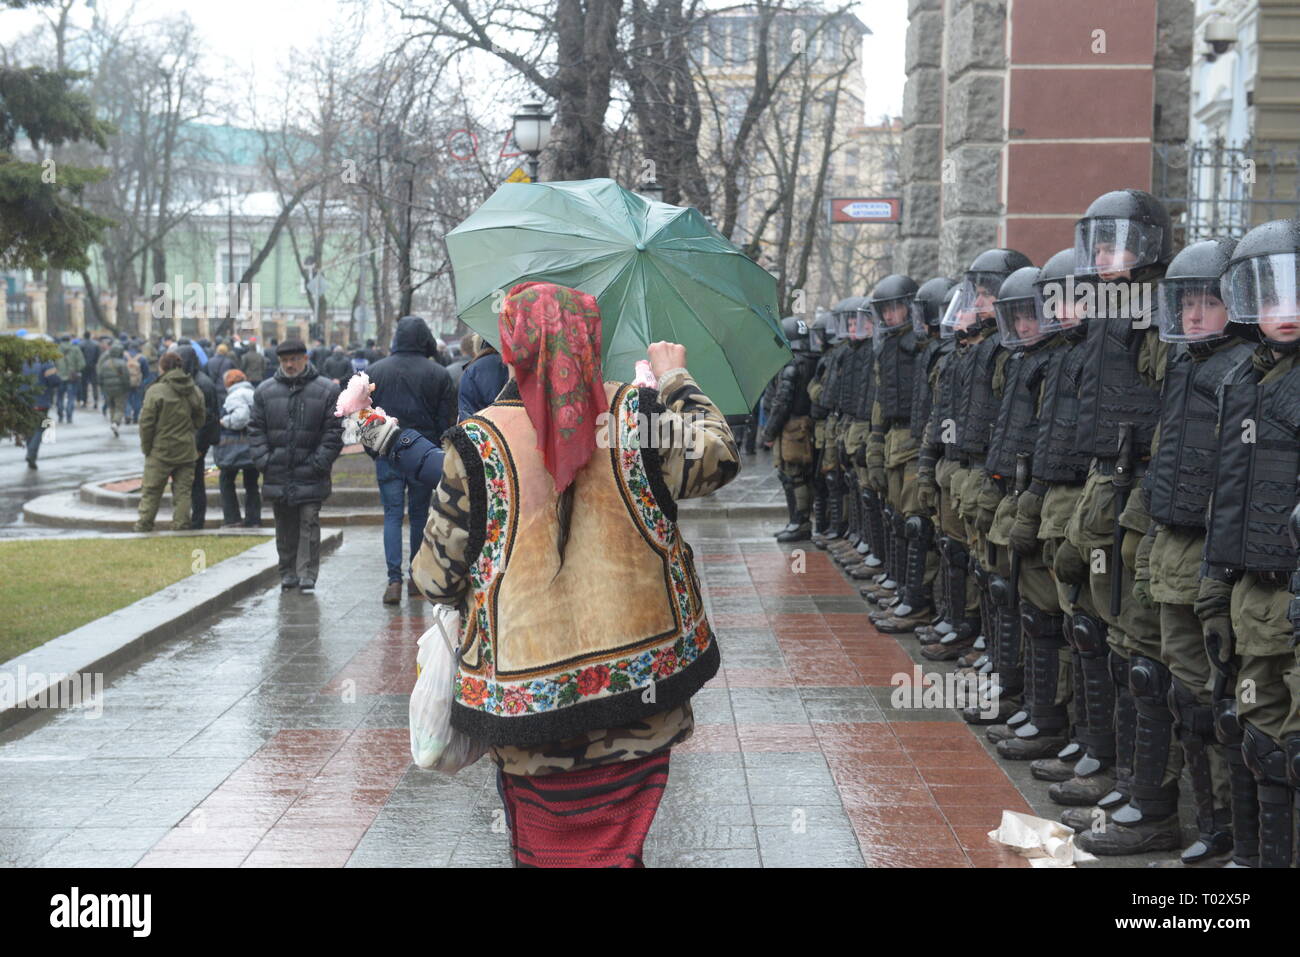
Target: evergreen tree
{"type": "Point", "coordinates": [42, 226]}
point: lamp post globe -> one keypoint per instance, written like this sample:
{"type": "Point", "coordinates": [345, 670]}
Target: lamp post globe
{"type": "Point", "coordinates": [532, 129]}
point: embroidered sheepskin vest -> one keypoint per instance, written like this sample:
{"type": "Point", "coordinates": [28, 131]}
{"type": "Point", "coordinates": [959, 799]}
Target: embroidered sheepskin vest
{"type": "Point", "coordinates": [615, 634]}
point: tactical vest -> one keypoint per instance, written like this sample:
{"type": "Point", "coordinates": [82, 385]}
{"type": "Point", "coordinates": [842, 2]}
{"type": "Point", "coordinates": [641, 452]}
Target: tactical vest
{"type": "Point", "coordinates": [1181, 476]}
{"type": "Point", "coordinates": [834, 370]}
{"type": "Point", "coordinates": [977, 400]}
{"type": "Point", "coordinates": [922, 398]}
{"type": "Point", "coordinates": [1016, 430]}
{"type": "Point", "coordinates": [1057, 457]}
{"type": "Point", "coordinates": [844, 380]}
{"type": "Point", "coordinates": [1111, 391]}
{"type": "Point", "coordinates": [866, 384]}
{"type": "Point", "coordinates": [952, 368]}
{"type": "Point", "coordinates": [1255, 485]}
{"type": "Point", "coordinates": [896, 369]}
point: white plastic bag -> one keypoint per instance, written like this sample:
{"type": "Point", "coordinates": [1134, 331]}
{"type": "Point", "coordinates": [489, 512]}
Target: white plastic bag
{"type": "Point", "coordinates": [434, 743]}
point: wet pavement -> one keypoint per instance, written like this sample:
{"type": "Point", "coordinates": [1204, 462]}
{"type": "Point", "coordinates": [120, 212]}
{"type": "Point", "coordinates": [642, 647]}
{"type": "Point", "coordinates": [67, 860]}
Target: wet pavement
{"type": "Point", "coordinates": [70, 456]}
{"type": "Point", "coordinates": [275, 735]}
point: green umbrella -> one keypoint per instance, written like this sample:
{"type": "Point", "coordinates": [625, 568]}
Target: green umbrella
{"type": "Point", "coordinates": [657, 271]}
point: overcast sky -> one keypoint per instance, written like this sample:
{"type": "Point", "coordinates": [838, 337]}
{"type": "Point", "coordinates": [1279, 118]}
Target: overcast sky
{"type": "Point", "coordinates": [253, 36]}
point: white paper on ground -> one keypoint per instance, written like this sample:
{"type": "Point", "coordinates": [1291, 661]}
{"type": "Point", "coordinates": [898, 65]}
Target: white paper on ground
{"type": "Point", "coordinates": [1044, 843]}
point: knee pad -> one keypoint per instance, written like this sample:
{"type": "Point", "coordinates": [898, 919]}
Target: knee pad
{"type": "Point", "coordinates": [1038, 623]}
{"type": "Point", "coordinates": [981, 575]}
{"type": "Point", "coordinates": [999, 589]}
{"type": "Point", "coordinates": [1264, 756]}
{"type": "Point", "coordinates": [1148, 679]}
{"type": "Point", "coordinates": [1193, 717]}
{"type": "Point", "coordinates": [1293, 760]}
{"type": "Point", "coordinates": [1089, 636]}
{"type": "Point", "coordinates": [1227, 726]}
{"type": "Point", "coordinates": [917, 527]}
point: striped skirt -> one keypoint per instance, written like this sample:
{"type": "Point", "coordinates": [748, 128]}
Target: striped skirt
{"type": "Point", "coordinates": [597, 817]}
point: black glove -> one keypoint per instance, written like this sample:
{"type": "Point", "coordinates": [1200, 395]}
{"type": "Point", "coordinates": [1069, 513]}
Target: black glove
{"type": "Point", "coordinates": [1069, 565]}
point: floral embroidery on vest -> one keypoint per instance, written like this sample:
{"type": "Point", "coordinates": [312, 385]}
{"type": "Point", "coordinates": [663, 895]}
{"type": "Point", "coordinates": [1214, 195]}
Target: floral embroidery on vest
{"type": "Point", "coordinates": [479, 688]}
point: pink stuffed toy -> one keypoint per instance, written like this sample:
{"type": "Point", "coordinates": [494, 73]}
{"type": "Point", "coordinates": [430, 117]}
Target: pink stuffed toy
{"type": "Point", "coordinates": [644, 375]}
{"type": "Point", "coordinates": [355, 400]}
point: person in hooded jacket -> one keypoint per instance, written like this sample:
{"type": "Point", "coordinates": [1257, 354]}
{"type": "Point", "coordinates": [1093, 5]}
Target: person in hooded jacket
{"type": "Point", "coordinates": [209, 434]}
{"type": "Point", "coordinates": [483, 379]}
{"type": "Point", "coordinates": [295, 438]}
{"type": "Point", "coordinates": [115, 381]}
{"type": "Point", "coordinates": [411, 386]}
{"type": "Point", "coordinates": [234, 456]}
{"type": "Point", "coordinates": [338, 366]}
{"type": "Point", "coordinates": [173, 412]}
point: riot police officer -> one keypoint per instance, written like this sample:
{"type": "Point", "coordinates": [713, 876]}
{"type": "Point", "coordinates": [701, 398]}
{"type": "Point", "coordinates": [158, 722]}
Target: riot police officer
{"type": "Point", "coordinates": [915, 605]}
{"type": "Point", "coordinates": [971, 408]}
{"type": "Point", "coordinates": [1026, 648]}
{"type": "Point", "coordinates": [1123, 244]}
{"type": "Point", "coordinates": [824, 391]}
{"type": "Point", "coordinates": [1246, 600]}
{"type": "Point", "coordinates": [790, 429]}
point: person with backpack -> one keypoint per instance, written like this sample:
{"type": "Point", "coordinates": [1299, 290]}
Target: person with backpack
{"type": "Point", "coordinates": [115, 381]}
{"type": "Point", "coordinates": [137, 369]}
{"type": "Point", "coordinates": [70, 363]}
{"type": "Point", "coordinates": [234, 456]}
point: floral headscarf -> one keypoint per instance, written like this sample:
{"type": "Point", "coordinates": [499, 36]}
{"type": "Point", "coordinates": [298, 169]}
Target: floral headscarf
{"type": "Point", "coordinates": [551, 336]}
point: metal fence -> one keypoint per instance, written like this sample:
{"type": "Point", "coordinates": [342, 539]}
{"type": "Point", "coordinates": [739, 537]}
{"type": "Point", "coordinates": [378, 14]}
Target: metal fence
{"type": "Point", "coordinates": [1220, 189]}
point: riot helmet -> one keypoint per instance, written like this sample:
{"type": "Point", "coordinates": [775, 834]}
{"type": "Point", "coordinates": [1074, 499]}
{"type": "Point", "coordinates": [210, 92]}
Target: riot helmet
{"type": "Point", "coordinates": [1261, 285]}
{"type": "Point", "coordinates": [891, 302]}
{"type": "Point", "coordinates": [842, 317]}
{"type": "Point", "coordinates": [1019, 320]}
{"type": "Point", "coordinates": [819, 335]}
{"type": "Point", "coordinates": [1122, 231]}
{"type": "Point", "coordinates": [927, 305]}
{"type": "Point", "coordinates": [796, 333]}
{"type": "Point", "coordinates": [972, 308]}
{"type": "Point", "coordinates": [1055, 293]}
{"type": "Point", "coordinates": [1189, 303]}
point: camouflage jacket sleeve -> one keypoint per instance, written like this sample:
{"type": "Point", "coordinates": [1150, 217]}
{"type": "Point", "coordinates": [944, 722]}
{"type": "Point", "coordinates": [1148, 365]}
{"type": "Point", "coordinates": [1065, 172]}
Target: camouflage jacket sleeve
{"type": "Point", "coordinates": [439, 569]}
{"type": "Point", "coordinates": [706, 458]}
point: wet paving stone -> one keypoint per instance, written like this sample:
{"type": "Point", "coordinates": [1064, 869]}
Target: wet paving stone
{"type": "Point", "coordinates": [274, 735]}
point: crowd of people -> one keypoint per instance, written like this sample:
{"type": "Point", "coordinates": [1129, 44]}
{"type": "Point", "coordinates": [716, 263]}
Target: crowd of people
{"type": "Point", "coordinates": [1076, 481]}
{"type": "Point", "coordinates": [265, 414]}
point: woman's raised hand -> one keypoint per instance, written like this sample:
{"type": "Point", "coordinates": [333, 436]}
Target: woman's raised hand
{"type": "Point", "coordinates": [665, 356]}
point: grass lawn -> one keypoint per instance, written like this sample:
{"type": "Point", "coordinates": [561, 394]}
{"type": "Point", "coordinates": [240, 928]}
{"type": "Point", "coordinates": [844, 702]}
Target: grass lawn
{"type": "Point", "coordinates": [351, 470]}
{"type": "Point", "coordinates": [49, 587]}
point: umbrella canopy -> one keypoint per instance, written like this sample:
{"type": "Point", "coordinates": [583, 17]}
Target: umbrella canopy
{"type": "Point", "coordinates": [657, 272]}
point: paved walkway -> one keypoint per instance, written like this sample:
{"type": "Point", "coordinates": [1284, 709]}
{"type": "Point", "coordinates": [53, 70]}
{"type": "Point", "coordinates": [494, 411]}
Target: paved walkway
{"type": "Point", "coordinates": [276, 735]}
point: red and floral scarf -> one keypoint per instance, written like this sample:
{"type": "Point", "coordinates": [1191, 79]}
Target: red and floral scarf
{"type": "Point", "coordinates": [550, 335]}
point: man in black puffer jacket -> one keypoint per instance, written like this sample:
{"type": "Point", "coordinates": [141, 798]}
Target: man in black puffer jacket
{"type": "Point", "coordinates": [412, 387]}
{"type": "Point", "coordinates": [206, 437]}
{"type": "Point", "coordinates": [295, 438]}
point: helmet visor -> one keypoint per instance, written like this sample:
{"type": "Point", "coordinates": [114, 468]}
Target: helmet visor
{"type": "Point", "coordinates": [816, 339]}
{"type": "Point", "coordinates": [894, 314]}
{"type": "Point", "coordinates": [972, 304]}
{"type": "Point", "coordinates": [1057, 301]}
{"type": "Point", "coordinates": [860, 324]}
{"type": "Point", "coordinates": [920, 317]}
{"type": "Point", "coordinates": [1111, 247]}
{"type": "Point", "coordinates": [1190, 310]}
{"type": "Point", "coordinates": [1265, 291]}
{"type": "Point", "coordinates": [1019, 322]}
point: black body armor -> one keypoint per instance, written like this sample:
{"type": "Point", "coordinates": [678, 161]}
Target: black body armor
{"type": "Point", "coordinates": [1111, 391]}
{"type": "Point", "coordinates": [1057, 458]}
{"type": "Point", "coordinates": [1016, 429]}
{"type": "Point", "coordinates": [1255, 482]}
{"type": "Point", "coordinates": [978, 404]}
{"type": "Point", "coordinates": [922, 399]}
{"type": "Point", "coordinates": [1181, 476]}
{"type": "Point", "coordinates": [896, 364]}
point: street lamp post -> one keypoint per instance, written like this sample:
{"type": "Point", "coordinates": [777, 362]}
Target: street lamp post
{"type": "Point", "coordinates": [532, 129]}
{"type": "Point", "coordinates": [651, 191]}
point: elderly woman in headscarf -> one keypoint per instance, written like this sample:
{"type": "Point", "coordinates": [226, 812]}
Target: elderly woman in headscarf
{"type": "Point", "coordinates": [554, 530]}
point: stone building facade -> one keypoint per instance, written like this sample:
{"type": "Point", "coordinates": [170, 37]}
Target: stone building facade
{"type": "Point", "coordinates": [1017, 113]}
